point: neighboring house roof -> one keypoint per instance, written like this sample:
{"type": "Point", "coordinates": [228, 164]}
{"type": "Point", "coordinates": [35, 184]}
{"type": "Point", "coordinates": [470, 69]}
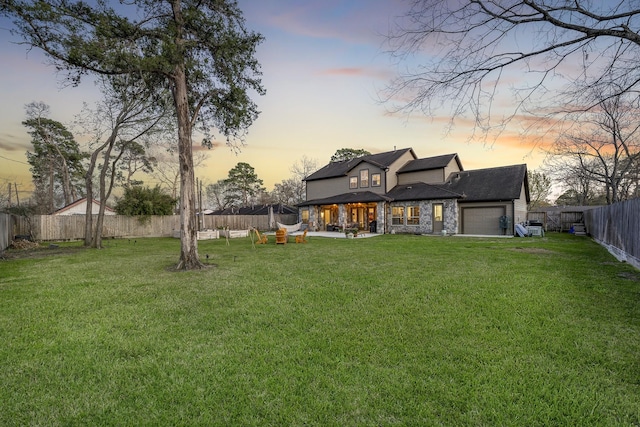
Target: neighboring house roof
{"type": "Point", "coordinates": [492, 184]}
{"type": "Point", "coordinates": [278, 208]}
{"type": "Point", "coordinates": [422, 191]}
{"type": "Point", "coordinates": [337, 169]}
{"type": "Point", "coordinates": [430, 163]}
{"type": "Point", "coordinates": [357, 197]}
{"type": "Point", "coordinates": [79, 207]}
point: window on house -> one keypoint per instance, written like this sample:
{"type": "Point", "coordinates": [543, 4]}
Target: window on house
{"type": "Point", "coordinates": [375, 180]}
{"type": "Point", "coordinates": [364, 178]}
{"type": "Point", "coordinates": [304, 213]}
{"type": "Point", "coordinates": [397, 215]}
{"type": "Point", "coordinates": [413, 215]}
{"type": "Point", "coordinates": [353, 182]}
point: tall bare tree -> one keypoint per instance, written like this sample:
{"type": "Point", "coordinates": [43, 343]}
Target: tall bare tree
{"type": "Point", "coordinates": [120, 120]}
{"type": "Point", "coordinates": [539, 189]}
{"type": "Point", "coordinates": [466, 54]}
{"type": "Point", "coordinates": [198, 50]}
{"type": "Point", "coordinates": [603, 145]}
{"type": "Point", "coordinates": [293, 190]}
{"type": "Point", "coordinates": [166, 167]}
{"type": "Point", "coordinates": [216, 195]}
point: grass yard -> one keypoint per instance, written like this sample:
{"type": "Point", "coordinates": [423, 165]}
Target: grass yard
{"type": "Point", "coordinates": [391, 330]}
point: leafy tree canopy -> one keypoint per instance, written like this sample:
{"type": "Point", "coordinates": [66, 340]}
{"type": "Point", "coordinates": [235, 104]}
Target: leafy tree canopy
{"type": "Point", "coordinates": [145, 201]}
{"type": "Point", "coordinates": [347, 154]}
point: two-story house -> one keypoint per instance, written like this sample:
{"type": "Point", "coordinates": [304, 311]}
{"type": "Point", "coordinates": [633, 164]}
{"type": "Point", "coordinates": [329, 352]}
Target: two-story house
{"type": "Point", "coordinates": [398, 192]}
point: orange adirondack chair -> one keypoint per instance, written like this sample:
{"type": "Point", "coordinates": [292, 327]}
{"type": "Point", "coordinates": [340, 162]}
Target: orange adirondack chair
{"type": "Point", "coordinates": [302, 238]}
{"type": "Point", "coordinates": [261, 238]}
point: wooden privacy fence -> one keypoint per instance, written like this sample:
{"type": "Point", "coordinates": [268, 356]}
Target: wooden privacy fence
{"type": "Point", "coordinates": [617, 227]}
{"type": "Point", "coordinates": [556, 221]}
{"type": "Point", "coordinates": [6, 231]}
{"type": "Point", "coordinates": [52, 228]}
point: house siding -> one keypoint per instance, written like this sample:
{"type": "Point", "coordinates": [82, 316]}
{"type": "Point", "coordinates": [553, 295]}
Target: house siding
{"type": "Point", "coordinates": [392, 173]}
{"type": "Point", "coordinates": [431, 176]}
{"type": "Point", "coordinates": [327, 187]}
{"type": "Point", "coordinates": [331, 186]}
{"type": "Point", "coordinates": [434, 176]}
{"type": "Point", "coordinates": [520, 207]}
{"type": "Point", "coordinates": [452, 167]}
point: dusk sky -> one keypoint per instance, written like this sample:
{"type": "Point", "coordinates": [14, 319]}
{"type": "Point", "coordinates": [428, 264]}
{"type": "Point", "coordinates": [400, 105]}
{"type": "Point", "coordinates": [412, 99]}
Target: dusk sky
{"type": "Point", "coordinates": [324, 66]}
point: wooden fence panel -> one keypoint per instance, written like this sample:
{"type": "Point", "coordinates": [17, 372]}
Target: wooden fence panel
{"type": "Point", "coordinates": [617, 227]}
{"type": "Point", "coordinates": [6, 231]}
{"type": "Point", "coordinates": [71, 227]}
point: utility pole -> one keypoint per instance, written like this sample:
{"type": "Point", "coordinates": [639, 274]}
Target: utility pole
{"type": "Point", "coordinates": [17, 196]}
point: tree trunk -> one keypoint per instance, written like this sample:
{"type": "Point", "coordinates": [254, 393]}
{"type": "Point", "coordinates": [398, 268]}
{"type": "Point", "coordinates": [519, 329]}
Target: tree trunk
{"type": "Point", "coordinates": [88, 222]}
{"type": "Point", "coordinates": [51, 203]}
{"type": "Point", "coordinates": [88, 225]}
{"type": "Point", "coordinates": [105, 191]}
{"type": "Point", "coordinates": [189, 259]}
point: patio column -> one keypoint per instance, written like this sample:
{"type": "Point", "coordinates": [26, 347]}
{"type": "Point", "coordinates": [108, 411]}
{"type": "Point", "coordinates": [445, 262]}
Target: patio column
{"type": "Point", "coordinates": [342, 215]}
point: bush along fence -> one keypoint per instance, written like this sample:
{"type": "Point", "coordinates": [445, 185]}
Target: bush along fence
{"type": "Point", "coordinates": [60, 228]}
{"type": "Point", "coordinates": [617, 228]}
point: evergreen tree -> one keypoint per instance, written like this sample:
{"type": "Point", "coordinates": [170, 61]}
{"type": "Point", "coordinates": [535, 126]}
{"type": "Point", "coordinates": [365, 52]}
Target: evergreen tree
{"type": "Point", "coordinates": [243, 185]}
{"type": "Point", "coordinates": [56, 160]}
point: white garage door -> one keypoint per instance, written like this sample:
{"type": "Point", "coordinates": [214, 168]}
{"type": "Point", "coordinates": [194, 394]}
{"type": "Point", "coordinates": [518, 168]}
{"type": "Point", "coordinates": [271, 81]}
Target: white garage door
{"type": "Point", "coordinates": [484, 220]}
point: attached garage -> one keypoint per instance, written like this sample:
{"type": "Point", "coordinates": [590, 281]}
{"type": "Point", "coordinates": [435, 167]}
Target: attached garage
{"type": "Point", "coordinates": [483, 220]}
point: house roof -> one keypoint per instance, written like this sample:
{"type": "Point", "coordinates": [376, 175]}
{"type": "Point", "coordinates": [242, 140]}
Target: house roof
{"type": "Point", "coordinates": [278, 208]}
{"type": "Point", "coordinates": [422, 191]}
{"type": "Point", "coordinates": [429, 163]}
{"type": "Point", "coordinates": [337, 169]}
{"type": "Point", "coordinates": [357, 197]}
{"type": "Point", "coordinates": [80, 202]}
{"type": "Point", "coordinates": [492, 184]}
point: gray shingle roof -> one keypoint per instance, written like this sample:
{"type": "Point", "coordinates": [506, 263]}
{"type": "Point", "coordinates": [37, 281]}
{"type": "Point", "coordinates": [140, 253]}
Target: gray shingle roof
{"type": "Point", "coordinates": [430, 163]}
{"type": "Point", "coordinates": [422, 191]}
{"type": "Point", "coordinates": [493, 184]}
{"type": "Point", "coordinates": [357, 197]}
{"type": "Point", "coordinates": [482, 185]}
{"type": "Point", "coordinates": [336, 169]}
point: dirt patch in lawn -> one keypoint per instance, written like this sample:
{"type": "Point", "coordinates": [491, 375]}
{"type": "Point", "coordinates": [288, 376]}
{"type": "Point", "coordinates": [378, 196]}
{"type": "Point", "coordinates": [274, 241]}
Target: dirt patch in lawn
{"type": "Point", "coordinates": [629, 276]}
{"type": "Point", "coordinates": [533, 250]}
{"type": "Point", "coordinates": [24, 249]}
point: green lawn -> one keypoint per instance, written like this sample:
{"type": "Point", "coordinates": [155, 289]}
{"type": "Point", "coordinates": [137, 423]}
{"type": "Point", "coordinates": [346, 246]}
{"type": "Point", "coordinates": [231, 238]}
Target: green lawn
{"type": "Point", "coordinates": [391, 330]}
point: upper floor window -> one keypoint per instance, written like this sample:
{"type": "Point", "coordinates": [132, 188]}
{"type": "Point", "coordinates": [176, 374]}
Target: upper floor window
{"type": "Point", "coordinates": [375, 180]}
{"type": "Point", "coordinates": [364, 178]}
{"type": "Point", "coordinates": [397, 215]}
{"type": "Point", "coordinates": [413, 215]}
{"type": "Point", "coordinates": [353, 182]}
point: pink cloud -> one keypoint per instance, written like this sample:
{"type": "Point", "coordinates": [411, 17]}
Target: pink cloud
{"type": "Point", "coordinates": [356, 72]}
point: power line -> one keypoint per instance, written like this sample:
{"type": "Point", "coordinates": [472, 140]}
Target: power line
{"type": "Point", "coordinates": [12, 160]}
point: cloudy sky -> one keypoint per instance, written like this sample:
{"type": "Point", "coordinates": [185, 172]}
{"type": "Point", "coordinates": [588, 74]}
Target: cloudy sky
{"type": "Point", "coordinates": [324, 67]}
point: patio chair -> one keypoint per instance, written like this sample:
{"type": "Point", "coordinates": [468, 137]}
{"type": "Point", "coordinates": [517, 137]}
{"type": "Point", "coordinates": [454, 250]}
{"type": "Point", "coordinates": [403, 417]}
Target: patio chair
{"type": "Point", "coordinates": [302, 238]}
{"type": "Point", "coordinates": [262, 238]}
